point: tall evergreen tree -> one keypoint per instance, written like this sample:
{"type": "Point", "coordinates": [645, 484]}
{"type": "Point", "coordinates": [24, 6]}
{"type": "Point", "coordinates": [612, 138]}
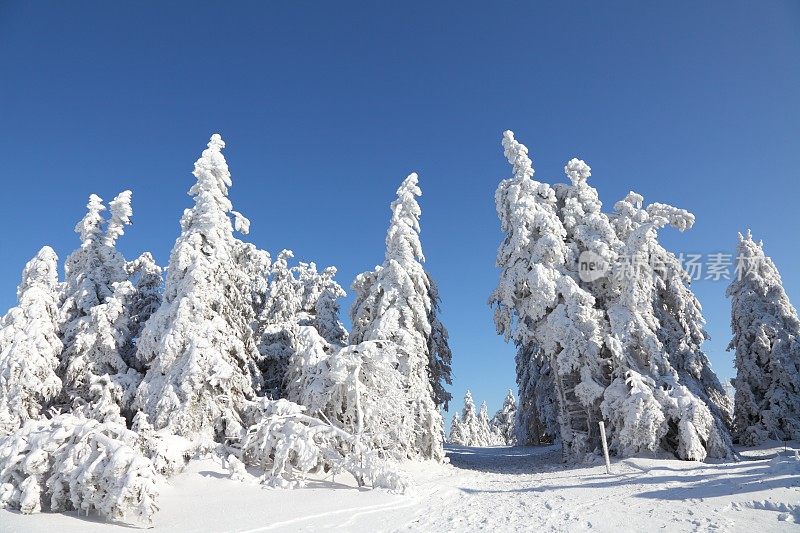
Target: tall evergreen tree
{"type": "Point", "coordinates": [29, 344]}
{"type": "Point", "coordinates": [766, 341]}
{"type": "Point", "coordinates": [601, 338]}
{"type": "Point", "coordinates": [397, 302]}
{"type": "Point", "coordinates": [94, 313]}
{"type": "Point", "coordinates": [278, 324]}
{"type": "Point", "coordinates": [199, 345]}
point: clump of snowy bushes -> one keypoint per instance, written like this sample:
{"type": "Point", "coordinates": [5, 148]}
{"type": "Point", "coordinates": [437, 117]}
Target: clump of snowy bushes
{"type": "Point", "coordinates": [70, 462]}
{"type": "Point", "coordinates": [111, 380]}
{"type": "Point", "coordinates": [286, 444]}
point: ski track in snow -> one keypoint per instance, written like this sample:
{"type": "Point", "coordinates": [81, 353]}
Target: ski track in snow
{"type": "Point", "coordinates": [487, 489]}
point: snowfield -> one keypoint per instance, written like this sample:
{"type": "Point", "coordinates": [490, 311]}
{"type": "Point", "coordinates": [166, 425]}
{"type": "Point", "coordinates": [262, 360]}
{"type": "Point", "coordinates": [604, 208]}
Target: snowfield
{"type": "Point", "coordinates": [492, 489]}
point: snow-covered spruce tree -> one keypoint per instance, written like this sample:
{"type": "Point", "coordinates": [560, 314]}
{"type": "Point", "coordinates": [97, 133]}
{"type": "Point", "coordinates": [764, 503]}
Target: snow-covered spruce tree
{"type": "Point", "coordinates": [472, 433]}
{"type": "Point", "coordinates": [456, 435]}
{"type": "Point", "coordinates": [600, 337]}
{"type": "Point", "coordinates": [503, 421]}
{"type": "Point", "coordinates": [682, 333]}
{"type": "Point", "coordinates": [199, 345]}
{"type": "Point", "coordinates": [326, 309]}
{"type": "Point", "coordinates": [537, 417]}
{"type": "Point", "coordinates": [278, 324]}
{"type": "Point", "coordinates": [540, 305]}
{"type": "Point", "coordinates": [397, 302]}
{"type": "Point", "coordinates": [95, 311]}
{"type": "Point", "coordinates": [646, 405]}
{"type": "Point", "coordinates": [486, 437]}
{"type": "Point", "coordinates": [145, 300]}
{"type": "Point", "coordinates": [29, 345]}
{"type": "Point", "coordinates": [766, 341]}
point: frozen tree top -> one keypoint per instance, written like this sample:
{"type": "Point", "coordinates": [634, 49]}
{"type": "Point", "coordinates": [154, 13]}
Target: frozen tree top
{"type": "Point", "coordinates": [517, 155]}
{"type": "Point", "coordinates": [577, 171]}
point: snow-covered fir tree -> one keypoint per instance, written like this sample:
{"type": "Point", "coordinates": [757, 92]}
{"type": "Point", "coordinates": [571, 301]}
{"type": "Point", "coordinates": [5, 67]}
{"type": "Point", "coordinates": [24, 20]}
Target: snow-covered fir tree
{"type": "Point", "coordinates": [537, 417]}
{"type": "Point", "coordinates": [486, 436]}
{"type": "Point", "coordinates": [600, 338]}
{"type": "Point", "coordinates": [199, 345]}
{"type": "Point", "coordinates": [503, 423]}
{"type": "Point", "coordinates": [278, 324]}
{"type": "Point", "coordinates": [766, 342]}
{"type": "Point", "coordinates": [646, 404]}
{"type": "Point", "coordinates": [95, 326]}
{"type": "Point", "coordinates": [397, 302]}
{"type": "Point", "coordinates": [327, 308]}
{"type": "Point", "coordinates": [456, 435]}
{"type": "Point", "coordinates": [471, 428]}
{"type": "Point", "coordinates": [145, 300]}
{"type": "Point", "coordinates": [29, 344]}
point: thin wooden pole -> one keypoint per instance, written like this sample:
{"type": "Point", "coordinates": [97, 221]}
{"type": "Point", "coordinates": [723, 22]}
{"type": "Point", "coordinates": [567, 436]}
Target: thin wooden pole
{"type": "Point", "coordinates": [605, 446]}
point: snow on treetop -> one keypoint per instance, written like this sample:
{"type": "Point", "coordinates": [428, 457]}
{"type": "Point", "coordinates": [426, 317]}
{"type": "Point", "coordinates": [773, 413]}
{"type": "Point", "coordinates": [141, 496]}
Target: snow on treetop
{"type": "Point", "coordinates": [43, 267]}
{"type": "Point", "coordinates": [517, 155]}
{"type": "Point", "coordinates": [121, 213]}
{"type": "Point", "coordinates": [577, 171]}
{"type": "Point", "coordinates": [89, 225]}
{"type": "Point", "coordinates": [216, 142]}
{"type": "Point", "coordinates": [410, 186]}
{"type": "Point", "coordinates": [45, 255]}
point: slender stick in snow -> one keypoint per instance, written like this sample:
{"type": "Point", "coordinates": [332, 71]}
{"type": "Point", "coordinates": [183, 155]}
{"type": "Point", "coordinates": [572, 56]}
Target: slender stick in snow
{"type": "Point", "coordinates": [605, 446]}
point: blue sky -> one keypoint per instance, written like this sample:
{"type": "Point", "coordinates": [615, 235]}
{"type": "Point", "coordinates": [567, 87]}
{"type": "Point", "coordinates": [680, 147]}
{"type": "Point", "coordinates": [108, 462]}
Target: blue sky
{"type": "Point", "coordinates": [327, 106]}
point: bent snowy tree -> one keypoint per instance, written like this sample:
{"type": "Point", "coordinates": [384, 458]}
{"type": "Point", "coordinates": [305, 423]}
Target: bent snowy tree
{"type": "Point", "coordinates": [624, 346]}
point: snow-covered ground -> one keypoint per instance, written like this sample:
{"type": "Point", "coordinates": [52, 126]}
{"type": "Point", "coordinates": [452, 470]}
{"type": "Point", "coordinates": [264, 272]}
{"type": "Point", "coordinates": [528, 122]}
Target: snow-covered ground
{"type": "Point", "coordinates": [496, 489]}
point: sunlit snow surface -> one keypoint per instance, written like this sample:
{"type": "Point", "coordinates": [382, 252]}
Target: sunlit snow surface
{"type": "Point", "coordinates": [493, 489]}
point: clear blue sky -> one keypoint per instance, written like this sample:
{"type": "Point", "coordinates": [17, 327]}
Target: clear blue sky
{"type": "Point", "coordinates": [327, 106]}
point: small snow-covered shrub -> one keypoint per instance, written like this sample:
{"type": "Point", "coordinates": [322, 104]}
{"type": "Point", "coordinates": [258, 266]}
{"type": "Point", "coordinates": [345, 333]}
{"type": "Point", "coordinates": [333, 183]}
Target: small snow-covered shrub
{"type": "Point", "coordinates": [359, 388]}
{"type": "Point", "coordinates": [75, 463]}
{"type": "Point", "coordinates": [287, 445]}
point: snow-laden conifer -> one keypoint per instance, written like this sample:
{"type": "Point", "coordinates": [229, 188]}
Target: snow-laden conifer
{"type": "Point", "coordinates": [469, 429]}
{"type": "Point", "coordinates": [456, 435]}
{"type": "Point", "coordinates": [766, 342]}
{"type": "Point", "coordinates": [326, 308]}
{"type": "Point", "coordinates": [145, 300]}
{"type": "Point", "coordinates": [278, 324]}
{"type": "Point", "coordinates": [397, 302]}
{"type": "Point", "coordinates": [503, 423]}
{"type": "Point", "coordinates": [199, 345]}
{"type": "Point", "coordinates": [657, 410]}
{"type": "Point", "coordinates": [599, 338]}
{"type": "Point", "coordinates": [95, 310]}
{"type": "Point", "coordinates": [486, 437]}
{"type": "Point", "coordinates": [29, 344]}
{"type": "Point", "coordinates": [537, 417]}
